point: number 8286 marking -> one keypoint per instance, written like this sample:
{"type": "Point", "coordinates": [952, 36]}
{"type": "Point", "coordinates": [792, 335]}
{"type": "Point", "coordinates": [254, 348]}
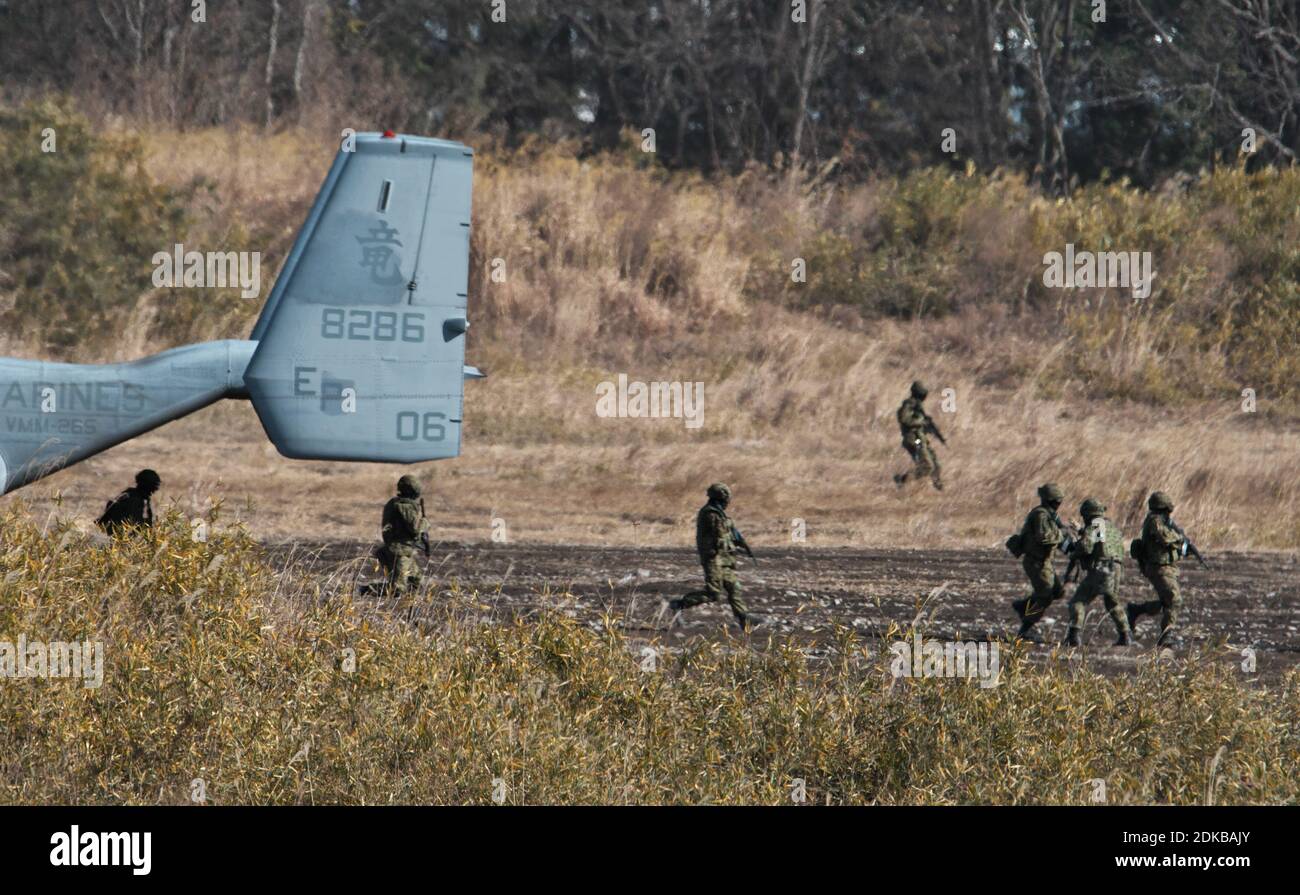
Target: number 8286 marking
{"type": "Point", "coordinates": [371, 326]}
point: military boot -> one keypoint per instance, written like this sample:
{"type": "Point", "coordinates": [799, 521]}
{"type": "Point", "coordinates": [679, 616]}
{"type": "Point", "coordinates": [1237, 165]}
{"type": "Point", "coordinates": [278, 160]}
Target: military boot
{"type": "Point", "coordinates": [1028, 634]}
{"type": "Point", "coordinates": [1132, 612]}
{"type": "Point", "coordinates": [1168, 621]}
{"type": "Point", "coordinates": [1124, 632]}
{"type": "Point", "coordinates": [1071, 636]}
{"type": "Point", "coordinates": [1031, 615]}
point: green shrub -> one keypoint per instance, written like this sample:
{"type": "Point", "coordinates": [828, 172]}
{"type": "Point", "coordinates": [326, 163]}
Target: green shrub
{"type": "Point", "coordinates": [78, 226]}
{"type": "Point", "coordinates": [1222, 314]}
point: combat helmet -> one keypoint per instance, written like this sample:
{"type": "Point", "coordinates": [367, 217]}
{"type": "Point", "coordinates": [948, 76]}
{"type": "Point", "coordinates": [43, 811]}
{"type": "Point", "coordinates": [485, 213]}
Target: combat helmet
{"type": "Point", "coordinates": [148, 480]}
{"type": "Point", "coordinates": [1160, 502]}
{"type": "Point", "coordinates": [1050, 492]}
{"type": "Point", "coordinates": [719, 493]}
{"type": "Point", "coordinates": [407, 486]}
{"type": "Point", "coordinates": [919, 391]}
{"type": "Point", "coordinates": [1092, 508]}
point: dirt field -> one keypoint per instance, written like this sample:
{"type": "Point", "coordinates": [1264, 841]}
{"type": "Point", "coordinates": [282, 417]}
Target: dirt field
{"type": "Point", "coordinates": [585, 522]}
{"type": "Point", "coordinates": [1244, 600]}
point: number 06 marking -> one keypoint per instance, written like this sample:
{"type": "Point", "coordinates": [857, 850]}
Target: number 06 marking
{"type": "Point", "coordinates": [411, 426]}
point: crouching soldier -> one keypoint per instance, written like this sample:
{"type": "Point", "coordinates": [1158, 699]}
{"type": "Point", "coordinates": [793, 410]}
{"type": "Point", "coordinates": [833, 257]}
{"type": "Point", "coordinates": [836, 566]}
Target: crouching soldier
{"type": "Point", "coordinates": [1042, 533]}
{"type": "Point", "coordinates": [1100, 551]}
{"type": "Point", "coordinates": [133, 508]}
{"type": "Point", "coordinates": [404, 530]}
{"type": "Point", "coordinates": [1158, 551]}
{"type": "Point", "coordinates": [716, 540]}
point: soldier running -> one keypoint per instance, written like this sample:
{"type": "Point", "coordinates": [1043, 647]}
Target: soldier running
{"type": "Point", "coordinates": [1158, 551]}
{"type": "Point", "coordinates": [132, 509]}
{"type": "Point", "coordinates": [1100, 550]}
{"type": "Point", "coordinates": [917, 426]}
{"type": "Point", "coordinates": [717, 541]}
{"type": "Point", "coordinates": [1042, 533]}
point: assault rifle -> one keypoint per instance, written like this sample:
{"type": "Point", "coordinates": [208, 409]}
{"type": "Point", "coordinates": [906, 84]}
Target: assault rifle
{"type": "Point", "coordinates": [740, 542]}
{"type": "Point", "coordinates": [934, 430]}
{"type": "Point", "coordinates": [1189, 548]}
{"type": "Point", "coordinates": [424, 535]}
{"type": "Point", "coordinates": [1072, 534]}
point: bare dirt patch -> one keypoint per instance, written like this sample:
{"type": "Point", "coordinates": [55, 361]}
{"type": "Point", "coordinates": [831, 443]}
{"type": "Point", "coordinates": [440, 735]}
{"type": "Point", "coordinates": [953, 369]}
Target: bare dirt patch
{"type": "Point", "coordinates": [1245, 600]}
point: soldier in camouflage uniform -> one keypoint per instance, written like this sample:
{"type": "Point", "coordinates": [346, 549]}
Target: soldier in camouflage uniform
{"type": "Point", "coordinates": [404, 530]}
{"type": "Point", "coordinates": [914, 423]}
{"type": "Point", "coordinates": [716, 539]}
{"type": "Point", "coordinates": [1158, 551]}
{"type": "Point", "coordinates": [1041, 534]}
{"type": "Point", "coordinates": [1100, 550]}
{"type": "Point", "coordinates": [133, 507]}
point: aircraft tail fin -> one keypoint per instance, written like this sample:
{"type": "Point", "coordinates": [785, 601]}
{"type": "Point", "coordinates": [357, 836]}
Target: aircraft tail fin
{"type": "Point", "coordinates": [361, 345]}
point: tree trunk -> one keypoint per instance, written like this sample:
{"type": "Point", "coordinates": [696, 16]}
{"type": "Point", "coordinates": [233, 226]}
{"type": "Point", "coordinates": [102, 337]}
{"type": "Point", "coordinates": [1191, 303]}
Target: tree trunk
{"type": "Point", "coordinates": [805, 81]}
{"type": "Point", "coordinates": [270, 59]}
{"type": "Point", "coordinates": [307, 7]}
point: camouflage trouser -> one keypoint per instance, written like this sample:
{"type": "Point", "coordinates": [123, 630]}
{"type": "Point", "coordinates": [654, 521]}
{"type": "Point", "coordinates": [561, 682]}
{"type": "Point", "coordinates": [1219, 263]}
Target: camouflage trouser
{"type": "Point", "coordinates": [1165, 580]}
{"type": "Point", "coordinates": [719, 583]}
{"type": "Point", "coordinates": [1101, 581]}
{"type": "Point", "coordinates": [399, 561]}
{"type": "Point", "coordinates": [1046, 584]}
{"type": "Point", "coordinates": [925, 462]}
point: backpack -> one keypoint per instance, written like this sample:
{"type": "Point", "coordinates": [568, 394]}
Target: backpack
{"type": "Point", "coordinates": [1137, 550]}
{"type": "Point", "coordinates": [1113, 543]}
{"type": "Point", "coordinates": [115, 512]}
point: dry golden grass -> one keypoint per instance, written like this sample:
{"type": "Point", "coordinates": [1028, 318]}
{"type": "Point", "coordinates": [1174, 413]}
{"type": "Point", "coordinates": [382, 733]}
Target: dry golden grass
{"type": "Point", "coordinates": [614, 267]}
{"type": "Point", "coordinates": [625, 488]}
{"type": "Point", "coordinates": [222, 670]}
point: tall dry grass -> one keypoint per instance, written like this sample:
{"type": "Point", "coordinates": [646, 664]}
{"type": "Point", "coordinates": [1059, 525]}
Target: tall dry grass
{"type": "Point", "coordinates": [614, 266]}
{"type": "Point", "coordinates": [246, 684]}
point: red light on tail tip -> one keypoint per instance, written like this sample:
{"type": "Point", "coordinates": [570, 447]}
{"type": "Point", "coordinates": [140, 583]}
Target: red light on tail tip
{"type": "Point", "coordinates": [389, 134]}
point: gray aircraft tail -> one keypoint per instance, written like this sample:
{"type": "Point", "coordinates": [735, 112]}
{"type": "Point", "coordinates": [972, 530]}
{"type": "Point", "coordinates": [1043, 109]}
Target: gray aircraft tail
{"type": "Point", "coordinates": [361, 345]}
{"type": "Point", "coordinates": [359, 353]}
